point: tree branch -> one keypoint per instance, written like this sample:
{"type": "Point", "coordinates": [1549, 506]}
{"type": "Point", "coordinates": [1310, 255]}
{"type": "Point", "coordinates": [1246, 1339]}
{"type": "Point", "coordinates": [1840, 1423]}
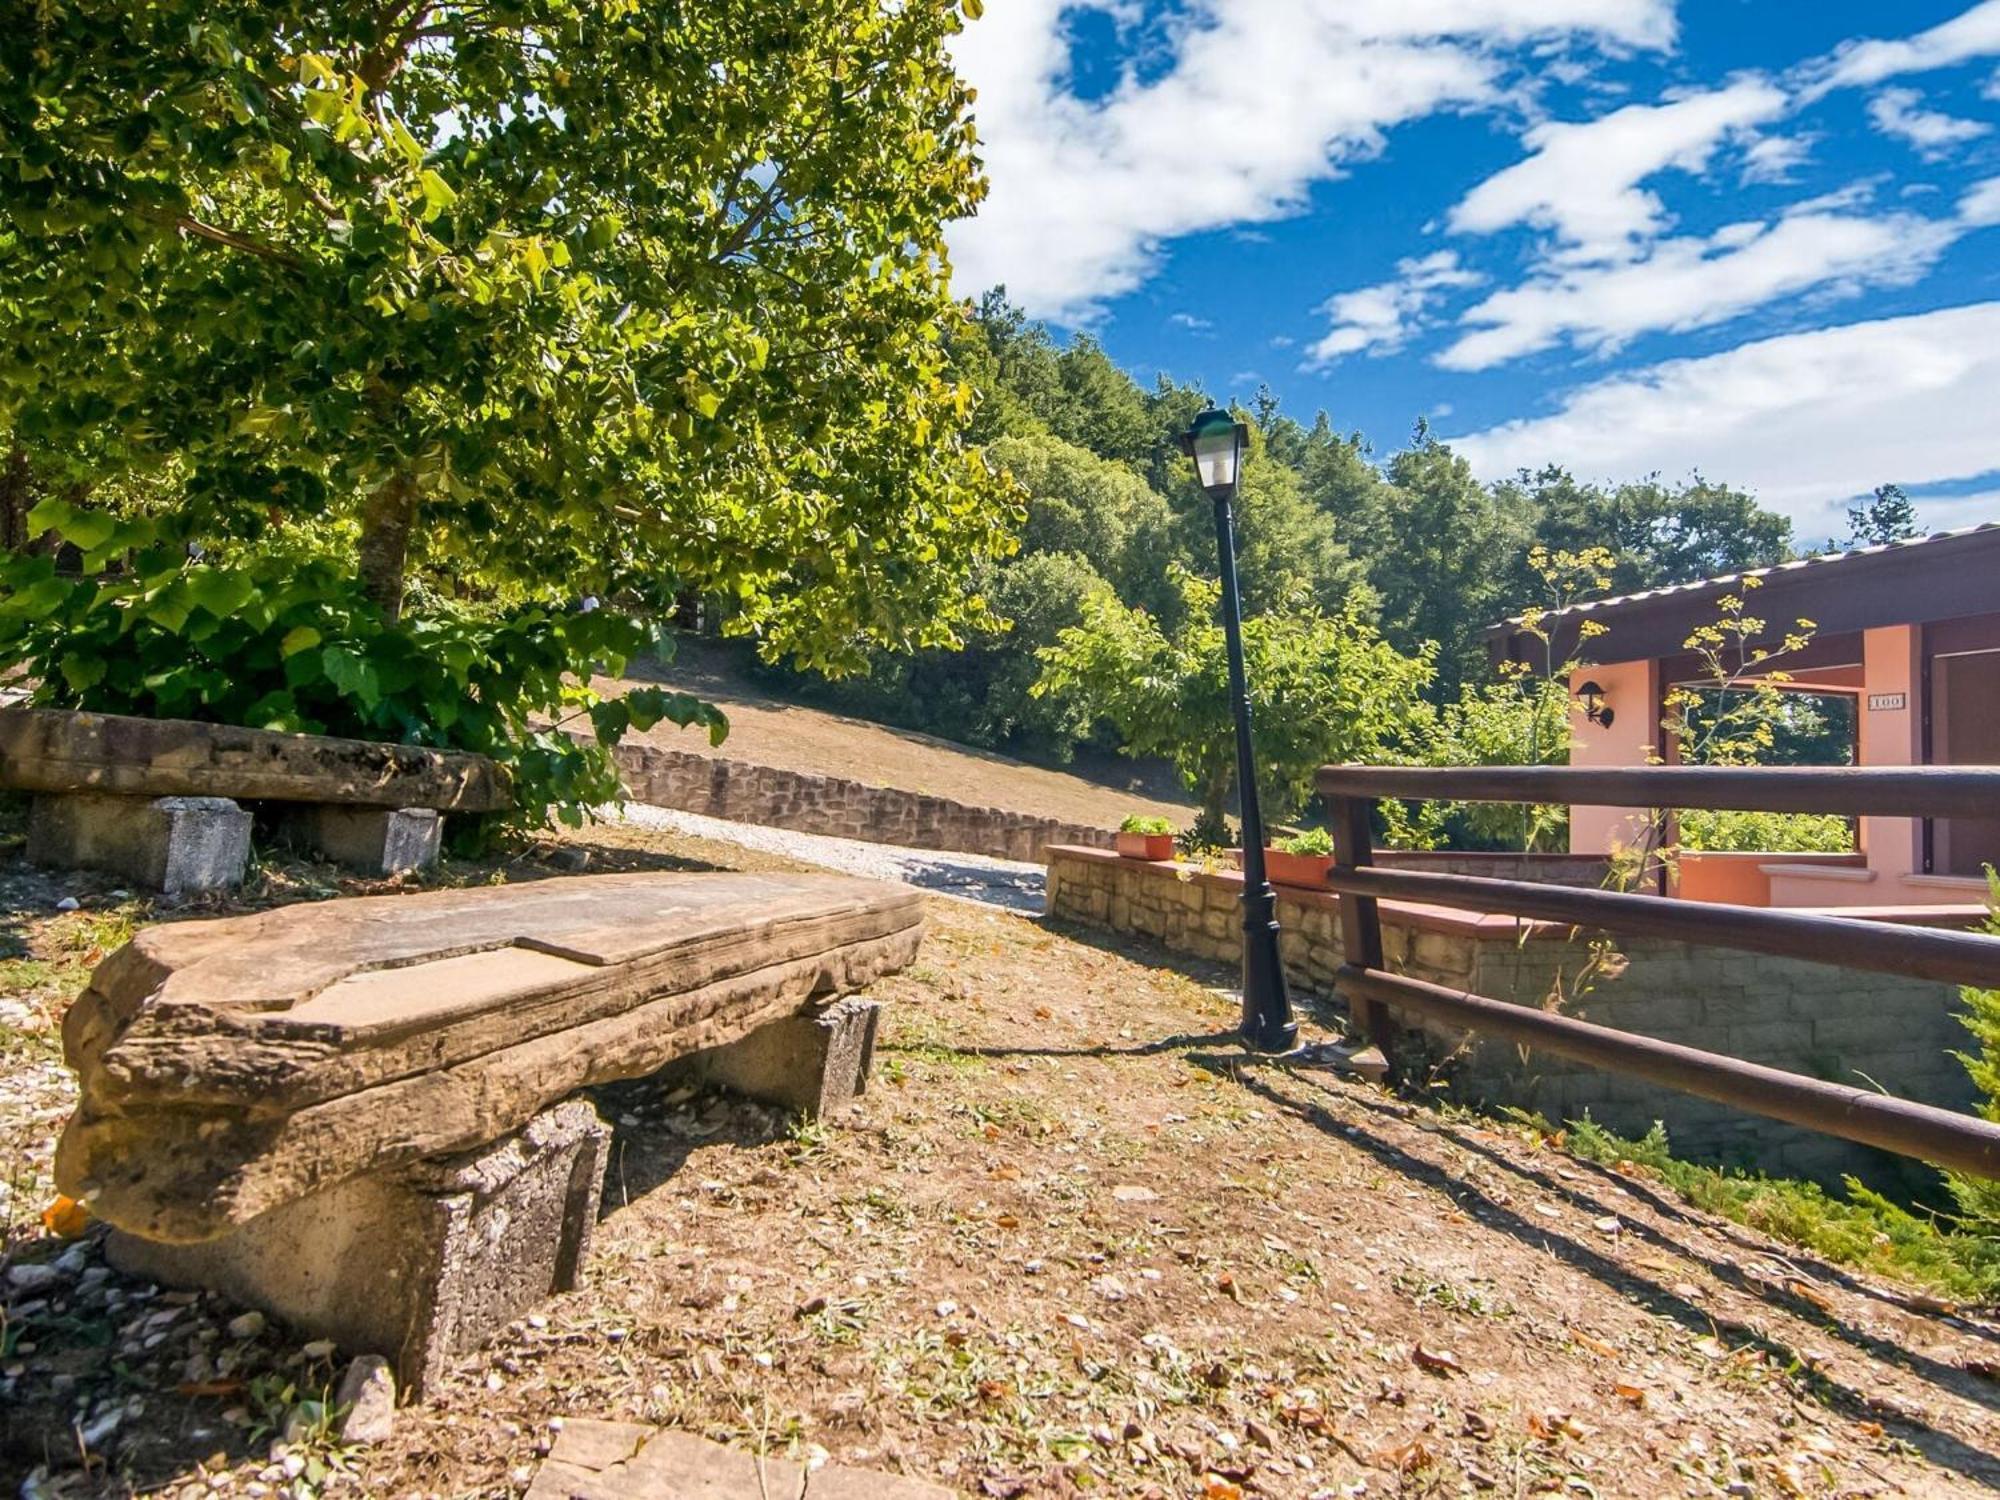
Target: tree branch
{"type": "Point", "coordinates": [188, 224]}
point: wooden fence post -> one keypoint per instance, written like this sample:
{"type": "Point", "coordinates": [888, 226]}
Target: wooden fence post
{"type": "Point", "coordinates": [1360, 916]}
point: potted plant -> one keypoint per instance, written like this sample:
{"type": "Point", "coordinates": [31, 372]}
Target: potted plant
{"type": "Point", "coordinates": [1301, 859]}
{"type": "Point", "coordinates": [1142, 837]}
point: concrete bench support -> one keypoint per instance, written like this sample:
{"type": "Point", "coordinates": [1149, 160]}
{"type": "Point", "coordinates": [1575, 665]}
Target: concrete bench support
{"type": "Point", "coordinates": [420, 1265]}
{"type": "Point", "coordinates": [180, 845]}
{"type": "Point", "coordinates": [373, 840]}
{"type": "Point", "coordinates": [814, 1064]}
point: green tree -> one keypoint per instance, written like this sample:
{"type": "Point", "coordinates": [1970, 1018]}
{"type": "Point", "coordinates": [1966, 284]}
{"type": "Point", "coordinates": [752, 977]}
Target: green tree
{"type": "Point", "coordinates": [569, 296]}
{"type": "Point", "coordinates": [501, 304]}
{"type": "Point", "coordinates": [1436, 541]}
{"type": "Point", "coordinates": [1324, 687]}
{"type": "Point", "coordinates": [1656, 533]}
{"type": "Point", "coordinates": [1522, 720]}
{"type": "Point", "coordinates": [1887, 516]}
{"type": "Point", "coordinates": [1081, 503]}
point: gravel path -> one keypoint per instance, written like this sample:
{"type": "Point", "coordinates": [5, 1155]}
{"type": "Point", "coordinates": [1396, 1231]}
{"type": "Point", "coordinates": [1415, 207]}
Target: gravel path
{"type": "Point", "coordinates": [1005, 883]}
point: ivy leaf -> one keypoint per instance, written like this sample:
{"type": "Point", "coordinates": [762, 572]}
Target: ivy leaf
{"type": "Point", "coordinates": [298, 638]}
{"type": "Point", "coordinates": [351, 675]}
{"type": "Point", "coordinates": [83, 672]}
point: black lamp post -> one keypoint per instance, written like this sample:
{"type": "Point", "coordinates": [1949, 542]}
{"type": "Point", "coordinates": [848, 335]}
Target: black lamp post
{"type": "Point", "coordinates": [1217, 442]}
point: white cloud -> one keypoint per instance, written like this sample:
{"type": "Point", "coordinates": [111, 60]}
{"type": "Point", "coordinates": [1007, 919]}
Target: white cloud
{"type": "Point", "coordinates": [1693, 282]}
{"type": "Point", "coordinates": [1582, 181]}
{"type": "Point", "coordinates": [1971, 34]}
{"type": "Point", "coordinates": [1381, 318]}
{"type": "Point", "coordinates": [1773, 158]}
{"type": "Point", "coordinates": [1189, 321]}
{"type": "Point", "coordinates": [1895, 112]}
{"type": "Point", "coordinates": [1806, 420]}
{"type": "Point", "coordinates": [1991, 88]}
{"type": "Point", "coordinates": [1981, 203]}
{"type": "Point", "coordinates": [1264, 98]}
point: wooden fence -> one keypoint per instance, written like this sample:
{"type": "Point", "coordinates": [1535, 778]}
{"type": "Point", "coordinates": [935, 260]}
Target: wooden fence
{"type": "Point", "coordinates": [1964, 1143]}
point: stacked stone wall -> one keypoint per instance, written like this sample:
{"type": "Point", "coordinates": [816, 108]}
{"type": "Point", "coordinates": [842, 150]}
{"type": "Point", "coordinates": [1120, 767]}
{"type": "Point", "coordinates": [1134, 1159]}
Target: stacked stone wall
{"type": "Point", "coordinates": [806, 803]}
{"type": "Point", "coordinates": [1815, 1019]}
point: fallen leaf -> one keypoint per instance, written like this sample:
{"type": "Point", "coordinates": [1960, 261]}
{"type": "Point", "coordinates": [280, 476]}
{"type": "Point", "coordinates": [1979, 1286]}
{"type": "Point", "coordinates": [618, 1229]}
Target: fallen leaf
{"type": "Point", "coordinates": [1607, 1225]}
{"type": "Point", "coordinates": [1132, 1192]}
{"type": "Point", "coordinates": [66, 1217]}
{"type": "Point", "coordinates": [1596, 1346]}
{"type": "Point", "coordinates": [1918, 1302]}
{"type": "Point", "coordinates": [1438, 1361]}
{"type": "Point", "coordinates": [1226, 1284]}
{"type": "Point", "coordinates": [1213, 1488]}
{"type": "Point", "coordinates": [1407, 1459]}
{"type": "Point", "coordinates": [1636, 1394]}
{"type": "Point", "coordinates": [1805, 1291]}
{"type": "Point", "coordinates": [1008, 1221]}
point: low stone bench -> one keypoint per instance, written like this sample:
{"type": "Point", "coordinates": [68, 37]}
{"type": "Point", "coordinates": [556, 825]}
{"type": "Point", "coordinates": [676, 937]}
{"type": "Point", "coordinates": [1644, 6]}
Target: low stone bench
{"type": "Point", "coordinates": [158, 800]}
{"type": "Point", "coordinates": [358, 1114]}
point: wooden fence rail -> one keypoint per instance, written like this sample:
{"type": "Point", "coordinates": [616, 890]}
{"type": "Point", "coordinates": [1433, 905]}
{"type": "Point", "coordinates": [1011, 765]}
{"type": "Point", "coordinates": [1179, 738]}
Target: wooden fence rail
{"type": "Point", "coordinates": [1961, 1142]}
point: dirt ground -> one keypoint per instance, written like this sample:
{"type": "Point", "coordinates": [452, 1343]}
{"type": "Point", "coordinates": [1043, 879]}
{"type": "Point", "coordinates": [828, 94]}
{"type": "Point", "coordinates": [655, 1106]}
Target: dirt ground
{"type": "Point", "coordinates": [766, 730]}
{"type": "Point", "coordinates": [1073, 1240]}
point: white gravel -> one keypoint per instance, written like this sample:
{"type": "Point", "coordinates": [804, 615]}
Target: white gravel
{"type": "Point", "coordinates": [1005, 883]}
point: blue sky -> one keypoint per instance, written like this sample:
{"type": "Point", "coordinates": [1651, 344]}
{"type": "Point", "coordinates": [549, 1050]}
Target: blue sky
{"type": "Point", "coordinates": [1757, 241]}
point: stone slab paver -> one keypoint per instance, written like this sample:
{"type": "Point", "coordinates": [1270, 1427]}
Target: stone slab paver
{"type": "Point", "coordinates": [595, 1460]}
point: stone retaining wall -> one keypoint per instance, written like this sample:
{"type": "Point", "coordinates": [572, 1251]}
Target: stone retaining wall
{"type": "Point", "coordinates": [805, 803]}
{"type": "Point", "coordinates": [1815, 1019]}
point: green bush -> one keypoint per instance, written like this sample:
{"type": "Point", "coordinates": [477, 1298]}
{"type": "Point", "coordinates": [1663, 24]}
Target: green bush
{"type": "Point", "coordinates": [1765, 832]}
{"type": "Point", "coordinates": [1979, 1197]}
{"type": "Point", "coordinates": [1862, 1229]}
{"type": "Point", "coordinates": [278, 637]}
{"type": "Point", "coordinates": [1141, 823]}
{"type": "Point", "coordinates": [1312, 841]}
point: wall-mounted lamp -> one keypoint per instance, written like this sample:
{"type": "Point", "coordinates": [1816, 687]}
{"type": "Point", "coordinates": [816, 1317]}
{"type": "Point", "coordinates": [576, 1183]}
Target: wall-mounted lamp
{"type": "Point", "coordinates": [1595, 709]}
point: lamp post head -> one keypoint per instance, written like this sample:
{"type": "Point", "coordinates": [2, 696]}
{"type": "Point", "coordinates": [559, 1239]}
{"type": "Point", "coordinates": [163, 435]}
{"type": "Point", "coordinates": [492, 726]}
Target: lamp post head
{"type": "Point", "coordinates": [1217, 442]}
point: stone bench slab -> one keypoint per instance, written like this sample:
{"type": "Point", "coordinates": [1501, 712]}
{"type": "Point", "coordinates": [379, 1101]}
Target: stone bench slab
{"type": "Point", "coordinates": [55, 751]}
{"type": "Point", "coordinates": [231, 1066]}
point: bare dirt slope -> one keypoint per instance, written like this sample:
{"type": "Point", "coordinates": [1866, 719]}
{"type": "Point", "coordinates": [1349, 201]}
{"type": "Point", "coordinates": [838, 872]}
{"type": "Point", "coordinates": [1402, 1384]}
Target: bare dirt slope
{"type": "Point", "coordinates": [768, 731]}
{"type": "Point", "coordinates": [1073, 1240]}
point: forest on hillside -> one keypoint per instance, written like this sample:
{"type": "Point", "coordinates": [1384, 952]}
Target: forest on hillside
{"type": "Point", "coordinates": [1404, 553]}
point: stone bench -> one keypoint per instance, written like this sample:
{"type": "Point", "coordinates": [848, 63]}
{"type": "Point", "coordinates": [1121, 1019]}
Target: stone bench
{"type": "Point", "coordinates": [359, 1115]}
{"type": "Point", "coordinates": [157, 800]}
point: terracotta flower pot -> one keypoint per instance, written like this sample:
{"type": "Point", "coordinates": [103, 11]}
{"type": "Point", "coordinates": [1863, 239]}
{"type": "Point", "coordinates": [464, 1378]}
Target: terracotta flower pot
{"type": "Point", "coordinates": [1146, 845]}
{"type": "Point", "coordinates": [1280, 868]}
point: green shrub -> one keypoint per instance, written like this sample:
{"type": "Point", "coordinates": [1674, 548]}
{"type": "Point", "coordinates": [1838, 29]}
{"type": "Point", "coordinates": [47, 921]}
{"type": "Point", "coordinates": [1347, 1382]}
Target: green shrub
{"type": "Point", "coordinates": [1312, 841]}
{"type": "Point", "coordinates": [1862, 1229]}
{"type": "Point", "coordinates": [1141, 823]}
{"type": "Point", "coordinates": [1765, 832]}
{"type": "Point", "coordinates": [277, 637]}
{"type": "Point", "coordinates": [1978, 1198]}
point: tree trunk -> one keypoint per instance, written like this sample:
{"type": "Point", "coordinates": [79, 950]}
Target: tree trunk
{"type": "Point", "coordinates": [387, 518]}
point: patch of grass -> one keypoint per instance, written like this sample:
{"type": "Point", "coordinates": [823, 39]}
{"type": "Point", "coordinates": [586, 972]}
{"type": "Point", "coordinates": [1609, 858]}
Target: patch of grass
{"type": "Point", "coordinates": [1861, 1229]}
{"type": "Point", "coordinates": [1426, 1291]}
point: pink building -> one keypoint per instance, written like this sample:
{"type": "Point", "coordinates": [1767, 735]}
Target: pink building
{"type": "Point", "coordinates": [1910, 632]}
